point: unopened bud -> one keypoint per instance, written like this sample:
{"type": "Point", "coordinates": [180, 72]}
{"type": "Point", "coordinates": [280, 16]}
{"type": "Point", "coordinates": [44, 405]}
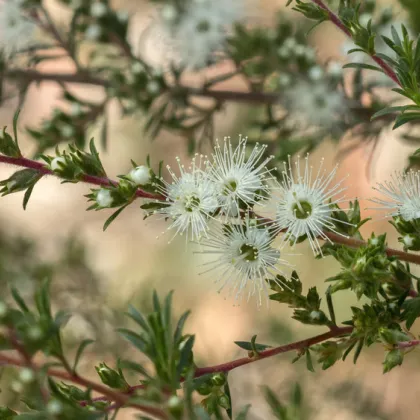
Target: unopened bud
{"type": "Point", "coordinates": [98, 9]}
{"type": "Point", "coordinates": [55, 163]}
{"type": "Point", "coordinates": [140, 175]}
{"type": "Point", "coordinates": [26, 375]}
{"type": "Point", "coordinates": [104, 198]}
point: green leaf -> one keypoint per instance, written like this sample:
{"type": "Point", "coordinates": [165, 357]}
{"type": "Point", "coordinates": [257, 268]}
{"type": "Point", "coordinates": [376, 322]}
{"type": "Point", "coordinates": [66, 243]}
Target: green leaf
{"type": "Point", "coordinates": [227, 393]}
{"type": "Point", "coordinates": [278, 409]}
{"type": "Point", "coordinates": [242, 415]}
{"type": "Point", "coordinates": [247, 345]}
{"type": "Point", "coordinates": [405, 118]}
{"type": "Point", "coordinates": [27, 196]}
{"type": "Point", "coordinates": [19, 300]}
{"type": "Point", "coordinates": [389, 110]}
{"type": "Point", "coordinates": [15, 121]}
{"type": "Point", "coordinates": [362, 66]}
{"type": "Point", "coordinates": [411, 311]}
{"type": "Point", "coordinates": [136, 367]}
{"type": "Point", "coordinates": [80, 350]}
{"type": "Point", "coordinates": [309, 364]}
{"type": "Point", "coordinates": [113, 217]}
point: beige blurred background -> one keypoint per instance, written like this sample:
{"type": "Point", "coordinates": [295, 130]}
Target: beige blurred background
{"type": "Point", "coordinates": [130, 259]}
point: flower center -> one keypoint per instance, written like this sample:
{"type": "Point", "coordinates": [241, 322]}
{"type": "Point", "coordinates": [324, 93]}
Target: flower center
{"type": "Point", "coordinates": [302, 209]}
{"type": "Point", "coordinates": [249, 252]}
{"type": "Point", "coordinates": [229, 186]}
{"type": "Point", "coordinates": [191, 203]}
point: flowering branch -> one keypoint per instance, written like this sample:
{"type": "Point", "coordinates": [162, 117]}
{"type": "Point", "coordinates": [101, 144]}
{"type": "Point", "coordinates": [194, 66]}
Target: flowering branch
{"type": "Point", "coordinates": [89, 179]}
{"type": "Point", "coordinates": [106, 182]}
{"type": "Point", "coordinates": [340, 25]}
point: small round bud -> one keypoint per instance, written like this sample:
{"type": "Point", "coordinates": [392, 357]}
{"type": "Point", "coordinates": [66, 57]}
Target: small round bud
{"type": "Point", "coordinates": [219, 379]}
{"type": "Point", "coordinates": [98, 9]}
{"type": "Point", "coordinates": [54, 407]}
{"type": "Point", "coordinates": [93, 32]}
{"type": "Point", "coordinates": [55, 163]}
{"type": "Point", "coordinates": [68, 131]}
{"type": "Point", "coordinates": [175, 406]}
{"type": "Point", "coordinates": [284, 80]}
{"type": "Point", "coordinates": [223, 401]}
{"type": "Point", "coordinates": [26, 375]}
{"type": "Point", "coordinates": [153, 87]}
{"type": "Point", "coordinates": [169, 13]}
{"type": "Point", "coordinates": [76, 109]}
{"type": "Point", "coordinates": [35, 333]}
{"type": "Point", "coordinates": [204, 388]}
{"type": "Point", "coordinates": [104, 198]}
{"type": "Point", "coordinates": [137, 68]}
{"type": "Point", "coordinates": [316, 315]}
{"type": "Point", "coordinates": [140, 175]}
{"type": "Point", "coordinates": [335, 69]}
{"type": "Point", "coordinates": [408, 240]}
{"type": "Point", "coordinates": [290, 43]}
{"type": "Point", "coordinates": [16, 386]}
{"type": "Point", "coordinates": [300, 50]}
{"type": "Point", "coordinates": [122, 15]}
{"type": "Point", "coordinates": [315, 73]}
{"type": "Point", "coordinates": [310, 54]}
{"type": "Point", "coordinates": [283, 52]}
{"type": "Point", "coordinates": [374, 241]}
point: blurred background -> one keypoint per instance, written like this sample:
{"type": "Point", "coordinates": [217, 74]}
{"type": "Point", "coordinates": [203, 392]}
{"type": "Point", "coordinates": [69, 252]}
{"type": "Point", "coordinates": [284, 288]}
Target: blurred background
{"type": "Point", "coordinates": [96, 274]}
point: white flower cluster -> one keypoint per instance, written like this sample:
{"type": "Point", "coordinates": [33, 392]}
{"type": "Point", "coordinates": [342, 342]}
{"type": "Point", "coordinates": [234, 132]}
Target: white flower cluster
{"type": "Point", "coordinates": [212, 202]}
{"type": "Point", "coordinates": [16, 28]}
{"type": "Point", "coordinates": [201, 30]}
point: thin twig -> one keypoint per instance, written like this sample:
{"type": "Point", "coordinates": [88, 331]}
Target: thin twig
{"type": "Point", "coordinates": [120, 398]}
{"type": "Point", "coordinates": [340, 25]}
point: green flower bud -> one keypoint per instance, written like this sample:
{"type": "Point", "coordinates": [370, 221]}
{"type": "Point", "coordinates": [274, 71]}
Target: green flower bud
{"type": "Point", "coordinates": [111, 377]}
{"type": "Point", "coordinates": [175, 406]}
{"type": "Point", "coordinates": [218, 379]}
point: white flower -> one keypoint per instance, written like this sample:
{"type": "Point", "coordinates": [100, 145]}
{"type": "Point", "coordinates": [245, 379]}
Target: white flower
{"type": "Point", "coordinates": [243, 257]}
{"type": "Point", "coordinates": [191, 200]}
{"type": "Point", "coordinates": [104, 198]}
{"type": "Point", "coordinates": [201, 30]}
{"type": "Point", "coordinates": [315, 104]}
{"type": "Point", "coordinates": [140, 175]}
{"type": "Point", "coordinates": [303, 204]}
{"type": "Point", "coordinates": [403, 195]}
{"type": "Point", "coordinates": [16, 29]}
{"type": "Point", "coordinates": [240, 181]}
{"type": "Point", "coordinates": [316, 73]}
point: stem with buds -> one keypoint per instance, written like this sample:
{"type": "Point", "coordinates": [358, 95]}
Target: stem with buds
{"type": "Point", "coordinates": [106, 182]}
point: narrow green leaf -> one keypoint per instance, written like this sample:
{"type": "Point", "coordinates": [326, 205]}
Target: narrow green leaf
{"type": "Point", "coordinates": [80, 350]}
{"type": "Point", "coordinates": [27, 196]}
{"type": "Point", "coordinates": [309, 363]}
{"type": "Point", "coordinates": [19, 300]}
{"type": "Point", "coordinates": [114, 216]}
{"type": "Point", "coordinates": [227, 392]}
{"type": "Point", "coordinates": [362, 66]}
{"type": "Point", "coordinates": [15, 121]}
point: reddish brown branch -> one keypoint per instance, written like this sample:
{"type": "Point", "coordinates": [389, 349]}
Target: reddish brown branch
{"type": "Point", "coordinates": [89, 179]}
{"type": "Point", "coordinates": [340, 25]}
{"type": "Point", "coordinates": [299, 345]}
{"type": "Point", "coordinates": [408, 344]}
{"type": "Point", "coordinates": [120, 398]}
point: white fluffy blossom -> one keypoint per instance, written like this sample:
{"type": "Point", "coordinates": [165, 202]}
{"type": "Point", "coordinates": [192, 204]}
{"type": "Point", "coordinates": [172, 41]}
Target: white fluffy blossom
{"type": "Point", "coordinates": [315, 103]}
{"type": "Point", "coordinates": [191, 200]}
{"type": "Point", "coordinates": [243, 258]}
{"type": "Point", "coordinates": [402, 195]}
{"type": "Point", "coordinates": [140, 175]}
{"type": "Point", "coordinates": [16, 28]}
{"type": "Point", "coordinates": [303, 204]}
{"type": "Point", "coordinates": [240, 181]}
{"type": "Point", "coordinates": [201, 30]}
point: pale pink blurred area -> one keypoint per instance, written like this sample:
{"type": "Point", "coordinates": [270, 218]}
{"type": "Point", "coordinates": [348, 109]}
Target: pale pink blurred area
{"type": "Point", "coordinates": [131, 259]}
